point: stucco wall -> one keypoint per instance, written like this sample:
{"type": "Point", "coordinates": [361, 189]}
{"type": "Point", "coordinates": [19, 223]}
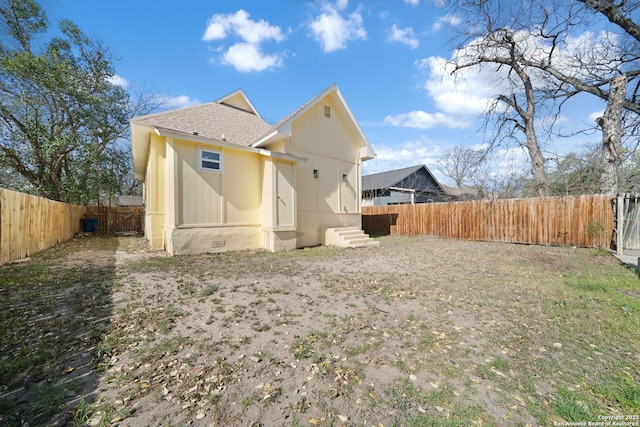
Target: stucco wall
{"type": "Point", "coordinates": [212, 239]}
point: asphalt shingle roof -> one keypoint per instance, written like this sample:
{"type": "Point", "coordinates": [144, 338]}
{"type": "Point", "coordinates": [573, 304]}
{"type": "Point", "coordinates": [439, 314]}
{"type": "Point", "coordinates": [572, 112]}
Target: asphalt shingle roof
{"type": "Point", "coordinates": [384, 180]}
{"type": "Point", "coordinates": [212, 120]}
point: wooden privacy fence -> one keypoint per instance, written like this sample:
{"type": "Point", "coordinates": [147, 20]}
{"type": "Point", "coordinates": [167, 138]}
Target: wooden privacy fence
{"type": "Point", "coordinates": [29, 224]}
{"type": "Point", "coordinates": [585, 221]}
{"type": "Point", "coordinates": [116, 219]}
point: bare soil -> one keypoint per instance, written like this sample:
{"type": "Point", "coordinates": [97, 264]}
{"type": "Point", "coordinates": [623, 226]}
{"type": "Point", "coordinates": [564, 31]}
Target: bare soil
{"type": "Point", "coordinates": [420, 331]}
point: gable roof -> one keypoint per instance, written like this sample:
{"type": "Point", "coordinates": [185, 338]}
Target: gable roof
{"type": "Point", "coordinates": [218, 120]}
{"type": "Point", "coordinates": [384, 180]}
{"type": "Point", "coordinates": [283, 128]}
{"type": "Point", "coordinates": [239, 100]}
{"type": "Point", "coordinates": [233, 120]}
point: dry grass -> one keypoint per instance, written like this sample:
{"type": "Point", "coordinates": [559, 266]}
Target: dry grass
{"type": "Point", "coordinates": [420, 331]}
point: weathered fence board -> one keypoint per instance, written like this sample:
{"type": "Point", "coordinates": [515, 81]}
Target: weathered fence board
{"type": "Point", "coordinates": [585, 221]}
{"type": "Point", "coordinates": [115, 219]}
{"type": "Point", "coordinates": [29, 224]}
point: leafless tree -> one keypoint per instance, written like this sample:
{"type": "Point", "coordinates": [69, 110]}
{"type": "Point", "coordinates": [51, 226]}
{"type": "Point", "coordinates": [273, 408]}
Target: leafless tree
{"type": "Point", "coordinates": [537, 42]}
{"type": "Point", "coordinates": [461, 164]}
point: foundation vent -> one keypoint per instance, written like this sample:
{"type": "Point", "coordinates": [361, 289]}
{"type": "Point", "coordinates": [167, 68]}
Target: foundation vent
{"type": "Point", "coordinates": [217, 243]}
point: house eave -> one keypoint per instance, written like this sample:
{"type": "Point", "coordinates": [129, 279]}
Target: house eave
{"type": "Point", "coordinates": [140, 142]}
{"type": "Point", "coordinates": [141, 134]}
{"type": "Point", "coordinates": [265, 141]}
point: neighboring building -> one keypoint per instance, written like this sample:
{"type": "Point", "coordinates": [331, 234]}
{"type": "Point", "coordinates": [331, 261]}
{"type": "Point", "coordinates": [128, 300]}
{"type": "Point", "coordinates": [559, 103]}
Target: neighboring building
{"type": "Point", "coordinates": [415, 184]}
{"type": "Point", "coordinates": [130, 201]}
{"type": "Point", "coordinates": [217, 177]}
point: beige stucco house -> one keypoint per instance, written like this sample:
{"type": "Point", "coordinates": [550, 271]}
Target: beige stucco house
{"type": "Point", "coordinates": [217, 177]}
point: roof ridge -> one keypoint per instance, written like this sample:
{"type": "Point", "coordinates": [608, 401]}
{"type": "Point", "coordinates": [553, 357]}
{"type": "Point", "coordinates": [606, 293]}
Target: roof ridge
{"type": "Point", "coordinates": [397, 170]}
{"type": "Point", "coordinates": [175, 110]}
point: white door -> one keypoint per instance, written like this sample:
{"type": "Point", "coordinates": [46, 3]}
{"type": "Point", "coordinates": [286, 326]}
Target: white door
{"type": "Point", "coordinates": [285, 206]}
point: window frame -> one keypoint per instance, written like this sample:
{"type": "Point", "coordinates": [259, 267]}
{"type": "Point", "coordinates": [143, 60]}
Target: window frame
{"type": "Point", "coordinates": [201, 158]}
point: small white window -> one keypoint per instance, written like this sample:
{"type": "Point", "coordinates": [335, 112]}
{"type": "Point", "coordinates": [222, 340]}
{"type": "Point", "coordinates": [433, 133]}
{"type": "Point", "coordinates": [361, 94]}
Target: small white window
{"type": "Point", "coordinates": [209, 160]}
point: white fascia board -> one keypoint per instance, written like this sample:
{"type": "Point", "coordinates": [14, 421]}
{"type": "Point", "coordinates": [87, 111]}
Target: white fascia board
{"type": "Point", "coordinates": [366, 150]}
{"type": "Point", "coordinates": [283, 156]}
{"type": "Point", "coordinates": [367, 153]}
{"type": "Point", "coordinates": [267, 139]}
{"type": "Point", "coordinates": [139, 148]}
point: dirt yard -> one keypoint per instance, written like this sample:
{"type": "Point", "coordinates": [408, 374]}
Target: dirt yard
{"type": "Point", "coordinates": [417, 332]}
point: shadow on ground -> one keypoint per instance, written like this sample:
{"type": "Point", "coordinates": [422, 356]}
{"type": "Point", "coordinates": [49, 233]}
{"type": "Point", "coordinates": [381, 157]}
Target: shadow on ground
{"type": "Point", "coordinates": [55, 308]}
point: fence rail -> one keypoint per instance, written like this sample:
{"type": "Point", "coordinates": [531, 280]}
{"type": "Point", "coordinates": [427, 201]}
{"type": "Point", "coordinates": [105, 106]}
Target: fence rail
{"type": "Point", "coordinates": [30, 224]}
{"type": "Point", "coordinates": [585, 221]}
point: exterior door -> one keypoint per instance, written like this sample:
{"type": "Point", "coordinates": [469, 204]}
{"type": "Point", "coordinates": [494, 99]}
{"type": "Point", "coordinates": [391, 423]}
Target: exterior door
{"type": "Point", "coordinates": [285, 206]}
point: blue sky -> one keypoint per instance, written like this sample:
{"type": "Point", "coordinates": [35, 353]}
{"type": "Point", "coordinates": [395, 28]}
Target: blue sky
{"type": "Point", "coordinates": [385, 56]}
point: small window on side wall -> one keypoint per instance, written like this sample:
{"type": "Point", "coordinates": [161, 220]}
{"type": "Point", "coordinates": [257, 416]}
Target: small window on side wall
{"type": "Point", "coordinates": [327, 111]}
{"type": "Point", "coordinates": [209, 161]}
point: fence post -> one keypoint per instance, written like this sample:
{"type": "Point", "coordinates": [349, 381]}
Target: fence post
{"type": "Point", "coordinates": [620, 225]}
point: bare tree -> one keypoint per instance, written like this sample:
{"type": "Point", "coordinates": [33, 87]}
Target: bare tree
{"type": "Point", "coordinates": [540, 37]}
{"type": "Point", "coordinates": [514, 109]}
{"type": "Point", "coordinates": [461, 164]}
{"type": "Point", "coordinates": [618, 14]}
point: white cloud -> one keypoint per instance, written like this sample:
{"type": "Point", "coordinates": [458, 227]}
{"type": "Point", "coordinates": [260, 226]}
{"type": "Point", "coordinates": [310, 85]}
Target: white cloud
{"type": "Point", "coordinates": [220, 26]}
{"type": "Point", "coordinates": [446, 20]}
{"type": "Point", "coordinates": [333, 31]}
{"type": "Point", "coordinates": [247, 55]}
{"type": "Point", "coordinates": [117, 80]}
{"type": "Point", "coordinates": [469, 92]}
{"type": "Point", "coordinates": [171, 102]}
{"type": "Point", "coordinates": [412, 2]}
{"type": "Point", "coordinates": [404, 35]}
{"type": "Point", "coordinates": [424, 120]}
{"type": "Point", "coordinates": [408, 153]}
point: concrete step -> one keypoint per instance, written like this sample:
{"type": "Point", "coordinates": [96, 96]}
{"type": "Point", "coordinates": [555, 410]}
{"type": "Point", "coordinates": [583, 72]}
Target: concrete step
{"type": "Point", "coordinates": [348, 237]}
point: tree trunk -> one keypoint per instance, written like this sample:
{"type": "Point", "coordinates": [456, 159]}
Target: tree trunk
{"type": "Point", "coordinates": [611, 124]}
{"type": "Point", "coordinates": [537, 163]}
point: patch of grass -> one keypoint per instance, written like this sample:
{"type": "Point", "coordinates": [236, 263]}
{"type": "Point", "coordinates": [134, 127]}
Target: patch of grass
{"type": "Point", "coordinates": [588, 285]}
{"type": "Point", "coordinates": [302, 350]}
{"type": "Point", "coordinates": [209, 290]}
{"type": "Point", "coordinates": [81, 414]}
{"type": "Point", "coordinates": [621, 391]}
{"type": "Point", "coordinates": [261, 327]}
{"type": "Point", "coordinates": [571, 406]}
{"type": "Point", "coordinates": [415, 407]}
